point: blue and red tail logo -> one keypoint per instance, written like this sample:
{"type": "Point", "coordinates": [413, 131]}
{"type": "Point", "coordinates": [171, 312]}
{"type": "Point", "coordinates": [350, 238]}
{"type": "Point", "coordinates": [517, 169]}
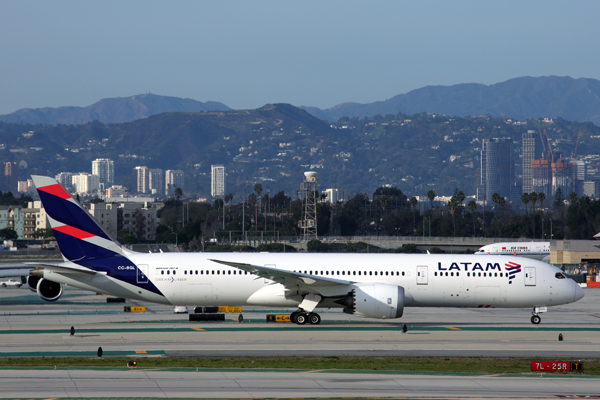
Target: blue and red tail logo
{"type": "Point", "coordinates": [512, 269]}
{"type": "Point", "coordinates": [81, 240]}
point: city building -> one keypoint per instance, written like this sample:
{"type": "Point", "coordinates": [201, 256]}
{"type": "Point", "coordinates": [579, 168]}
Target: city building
{"type": "Point", "coordinates": [65, 179]}
{"type": "Point", "coordinates": [173, 179]}
{"type": "Point", "coordinates": [562, 176]}
{"type": "Point", "coordinates": [542, 176]}
{"type": "Point", "coordinates": [332, 195]}
{"type": "Point", "coordinates": [140, 218]}
{"type": "Point", "coordinates": [106, 214]}
{"type": "Point", "coordinates": [8, 177]}
{"type": "Point", "coordinates": [156, 182]}
{"type": "Point", "coordinates": [531, 150]}
{"type": "Point", "coordinates": [217, 182]}
{"type": "Point", "coordinates": [143, 179]}
{"type": "Point", "coordinates": [497, 169]}
{"type": "Point", "coordinates": [104, 168]}
{"type": "Point", "coordinates": [84, 183]}
{"type": "Point", "coordinates": [117, 191]}
{"type": "Point", "coordinates": [25, 186]}
{"type": "Point", "coordinates": [591, 189]}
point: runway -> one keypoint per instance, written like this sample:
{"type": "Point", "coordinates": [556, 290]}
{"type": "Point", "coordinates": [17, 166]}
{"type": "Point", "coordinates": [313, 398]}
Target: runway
{"type": "Point", "coordinates": [278, 384]}
{"type": "Point", "coordinates": [30, 327]}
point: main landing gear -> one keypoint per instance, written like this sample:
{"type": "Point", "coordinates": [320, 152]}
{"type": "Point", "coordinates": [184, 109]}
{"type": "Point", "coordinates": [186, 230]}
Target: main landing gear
{"type": "Point", "coordinates": [535, 318]}
{"type": "Point", "coordinates": [301, 317]}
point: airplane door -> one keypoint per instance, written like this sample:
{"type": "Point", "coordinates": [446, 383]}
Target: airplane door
{"type": "Point", "coordinates": [421, 274]}
{"type": "Point", "coordinates": [142, 274]}
{"type": "Point", "coordinates": [529, 276]}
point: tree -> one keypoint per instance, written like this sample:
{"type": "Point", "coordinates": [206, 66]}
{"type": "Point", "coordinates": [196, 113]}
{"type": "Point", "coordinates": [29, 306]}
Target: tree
{"type": "Point", "coordinates": [533, 197]}
{"type": "Point", "coordinates": [572, 198]}
{"type": "Point", "coordinates": [8, 234]}
{"type": "Point", "coordinates": [525, 200]}
{"type": "Point", "coordinates": [413, 202]}
{"type": "Point", "coordinates": [252, 201]}
{"type": "Point", "coordinates": [452, 205]}
{"type": "Point", "coordinates": [178, 193]}
{"type": "Point", "coordinates": [258, 190]}
{"type": "Point", "coordinates": [472, 206]}
{"type": "Point", "coordinates": [559, 199]}
{"type": "Point", "coordinates": [431, 197]}
{"type": "Point", "coordinates": [496, 199]}
{"type": "Point", "coordinates": [541, 198]}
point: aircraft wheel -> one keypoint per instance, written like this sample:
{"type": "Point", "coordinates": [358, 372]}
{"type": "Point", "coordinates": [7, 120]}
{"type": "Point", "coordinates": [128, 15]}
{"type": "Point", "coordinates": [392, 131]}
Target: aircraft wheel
{"type": "Point", "coordinates": [293, 316]}
{"type": "Point", "coordinates": [535, 319]}
{"type": "Point", "coordinates": [314, 319]}
{"type": "Point", "coordinates": [301, 319]}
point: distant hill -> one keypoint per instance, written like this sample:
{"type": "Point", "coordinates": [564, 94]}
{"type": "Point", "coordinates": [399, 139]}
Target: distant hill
{"type": "Point", "coordinates": [109, 111]}
{"type": "Point", "coordinates": [520, 98]}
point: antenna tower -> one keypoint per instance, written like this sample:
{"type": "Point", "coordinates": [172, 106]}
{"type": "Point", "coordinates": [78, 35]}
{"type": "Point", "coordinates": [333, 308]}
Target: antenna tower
{"type": "Point", "coordinates": [308, 190]}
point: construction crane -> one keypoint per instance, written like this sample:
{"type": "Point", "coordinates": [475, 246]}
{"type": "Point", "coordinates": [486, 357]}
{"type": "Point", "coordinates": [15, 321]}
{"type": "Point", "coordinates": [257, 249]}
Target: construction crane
{"type": "Point", "coordinates": [576, 143]}
{"type": "Point", "coordinates": [543, 144]}
{"type": "Point", "coordinates": [549, 146]}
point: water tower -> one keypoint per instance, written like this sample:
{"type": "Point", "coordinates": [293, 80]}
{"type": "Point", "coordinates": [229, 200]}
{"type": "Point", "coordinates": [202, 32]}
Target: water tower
{"type": "Point", "coordinates": [308, 189]}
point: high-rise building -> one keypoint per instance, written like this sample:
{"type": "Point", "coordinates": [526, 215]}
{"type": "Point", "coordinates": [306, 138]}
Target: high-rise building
{"type": "Point", "coordinates": [105, 169]}
{"type": "Point", "coordinates": [217, 182]}
{"type": "Point", "coordinates": [173, 179]}
{"type": "Point", "coordinates": [84, 183]}
{"type": "Point", "coordinates": [8, 177]}
{"type": "Point", "coordinates": [542, 176]}
{"type": "Point", "coordinates": [65, 179]}
{"type": "Point", "coordinates": [156, 181]}
{"type": "Point", "coordinates": [143, 179]}
{"type": "Point", "coordinates": [497, 168]}
{"type": "Point", "coordinates": [531, 150]}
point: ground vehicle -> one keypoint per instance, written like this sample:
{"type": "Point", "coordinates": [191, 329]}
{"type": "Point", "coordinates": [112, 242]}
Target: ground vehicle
{"type": "Point", "coordinates": [12, 282]}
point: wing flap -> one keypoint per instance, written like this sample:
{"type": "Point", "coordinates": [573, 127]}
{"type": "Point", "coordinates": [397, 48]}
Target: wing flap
{"type": "Point", "coordinates": [64, 268]}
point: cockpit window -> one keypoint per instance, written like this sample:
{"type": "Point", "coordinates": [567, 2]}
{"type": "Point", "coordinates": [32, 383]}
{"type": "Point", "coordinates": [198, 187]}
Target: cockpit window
{"type": "Point", "coordinates": [560, 275]}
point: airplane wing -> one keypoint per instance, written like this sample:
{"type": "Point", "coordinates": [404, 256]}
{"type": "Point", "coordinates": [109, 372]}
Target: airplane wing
{"type": "Point", "coordinates": [63, 268]}
{"type": "Point", "coordinates": [10, 270]}
{"type": "Point", "coordinates": [287, 278]}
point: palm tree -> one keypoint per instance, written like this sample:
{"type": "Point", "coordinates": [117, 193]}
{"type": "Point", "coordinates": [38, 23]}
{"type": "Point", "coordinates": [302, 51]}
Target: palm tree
{"type": "Point", "coordinates": [452, 204]}
{"type": "Point", "coordinates": [472, 206]}
{"type": "Point", "coordinates": [525, 200]}
{"type": "Point", "coordinates": [252, 201]}
{"type": "Point", "coordinates": [541, 198]}
{"type": "Point", "coordinates": [413, 202]}
{"type": "Point", "coordinates": [496, 199]}
{"type": "Point", "coordinates": [431, 197]}
{"type": "Point", "coordinates": [501, 203]}
{"type": "Point", "coordinates": [178, 193]}
{"type": "Point", "coordinates": [257, 189]}
{"type": "Point", "coordinates": [533, 197]}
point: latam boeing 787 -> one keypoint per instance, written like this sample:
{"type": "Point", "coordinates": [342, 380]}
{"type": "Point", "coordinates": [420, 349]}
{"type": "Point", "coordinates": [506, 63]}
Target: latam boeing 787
{"type": "Point", "coordinates": [365, 285]}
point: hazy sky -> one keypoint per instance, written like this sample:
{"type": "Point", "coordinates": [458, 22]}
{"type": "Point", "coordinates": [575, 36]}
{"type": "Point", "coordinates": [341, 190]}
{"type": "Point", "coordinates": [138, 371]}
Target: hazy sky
{"type": "Point", "coordinates": [314, 53]}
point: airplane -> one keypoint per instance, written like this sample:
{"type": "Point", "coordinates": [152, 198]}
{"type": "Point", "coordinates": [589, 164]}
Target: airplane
{"type": "Point", "coordinates": [534, 250]}
{"type": "Point", "coordinates": [366, 285]}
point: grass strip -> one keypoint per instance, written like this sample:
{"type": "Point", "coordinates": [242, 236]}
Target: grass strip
{"type": "Point", "coordinates": [471, 365]}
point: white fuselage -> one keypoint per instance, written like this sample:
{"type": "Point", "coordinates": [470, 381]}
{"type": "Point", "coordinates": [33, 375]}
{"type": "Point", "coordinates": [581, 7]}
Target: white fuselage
{"type": "Point", "coordinates": [535, 250]}
{"type": "Point", "coordinates": [428, 280]}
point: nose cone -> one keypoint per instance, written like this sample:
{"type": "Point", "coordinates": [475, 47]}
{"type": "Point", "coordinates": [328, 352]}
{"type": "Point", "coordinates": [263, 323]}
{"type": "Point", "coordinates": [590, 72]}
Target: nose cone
{"type": "Point", "coordinates": [578, 292]}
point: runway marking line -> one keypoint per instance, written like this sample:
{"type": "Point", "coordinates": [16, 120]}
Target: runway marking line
{"type": "Point", "coordinates": [453, 328]}
{"type": "Point", "coordinates": [141, 352]}
{"type": "Point", "coordinates": [199, 329]}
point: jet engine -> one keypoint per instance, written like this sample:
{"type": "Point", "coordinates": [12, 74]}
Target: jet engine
{"type": "Point", "coordinates": [377, 300]}
{"type": "Point", "coordinates": [32, 282]}
{"type": "Point", "coordinates": [48, 290]}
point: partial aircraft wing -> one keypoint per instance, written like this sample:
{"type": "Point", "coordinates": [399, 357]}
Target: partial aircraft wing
{"type": "Point", "coordinates": [287, 278]}
{"type": "Point", "coordinates": [10, 270]}
{"type": "Point", "coordinates": [63, 268]}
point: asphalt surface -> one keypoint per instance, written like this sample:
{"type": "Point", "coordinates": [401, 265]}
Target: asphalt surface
{"type": "Point", "coordinates": [31, 327]}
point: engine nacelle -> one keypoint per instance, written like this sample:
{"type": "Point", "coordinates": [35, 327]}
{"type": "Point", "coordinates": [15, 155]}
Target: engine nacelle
{"type": "Point", "coordinates": [32, 282]}
{"type": "Point", "coordinates": [48, 290]}
{"type": "Point", "coordinates": [378, 300]}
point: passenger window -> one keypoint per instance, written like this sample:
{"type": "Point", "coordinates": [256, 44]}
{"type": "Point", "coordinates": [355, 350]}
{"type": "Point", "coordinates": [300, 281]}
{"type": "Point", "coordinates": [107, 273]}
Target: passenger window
{"type": "Point", "coordinates": [386, 273]}
{"type": "Point", "coordinates": [451, 273]}
{"type": "Point", "coordinates": [228, 272]}
{"type": "Point", "coordinates": [402, 273]}
{"type": "Point", "coordinates": [484, 275]}
{"type": "Point", "coordinates": [168, 272]}
{"type": "Point", "coordinates": [185, 272]}
{"type": "Point", "coordinates": [353, 272]}
{"type": "Point", "coordinates": [435, 273]}
{"type": "Point", "coordinates": [359, 272]}
{"type": "Point", "coordinates": [218, 272]}
{"type": "Point", "coordinates": [343, 272]}
{"type": "Point", "coordinates": [495, 274]}
{"type": "Point", "coordinates": [468, 274]}
{"type": "Point", "coordinates": [162, 272]}
{"type": "Point", "coordinates": [457, 273]}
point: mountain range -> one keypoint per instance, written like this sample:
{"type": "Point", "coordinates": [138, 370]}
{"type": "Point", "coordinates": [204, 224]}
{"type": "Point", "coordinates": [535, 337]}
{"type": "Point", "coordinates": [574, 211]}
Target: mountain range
{"type": "Point", "coordinates": [110, 111]}
{"type": "Point", "coordinates": [520, 98]}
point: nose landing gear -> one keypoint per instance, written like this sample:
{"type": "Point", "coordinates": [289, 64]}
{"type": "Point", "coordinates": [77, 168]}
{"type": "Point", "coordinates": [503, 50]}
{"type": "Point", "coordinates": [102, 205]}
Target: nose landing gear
{"type": "Point", "coordinates": [535, 318]}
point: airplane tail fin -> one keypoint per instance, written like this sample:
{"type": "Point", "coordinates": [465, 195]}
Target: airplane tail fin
{"type": "Point", "coordinates": [79, 237]}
